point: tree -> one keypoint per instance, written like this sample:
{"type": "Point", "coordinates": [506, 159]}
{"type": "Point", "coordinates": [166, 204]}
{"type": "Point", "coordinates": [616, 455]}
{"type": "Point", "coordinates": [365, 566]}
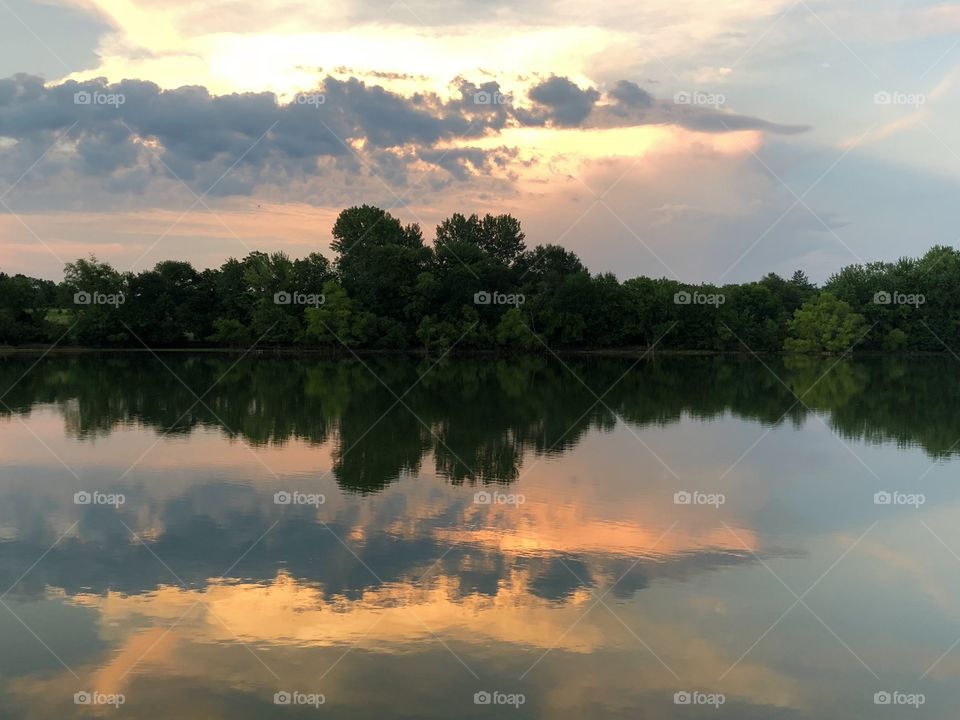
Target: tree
{"type": "Point", "coordinates": [379, 261]}
{"type": "Point", "coordinates": [338, 321]}
{"type": "Point", "coordinates": [311, 273]}
{"type": "Point", "coordinates": [498, 236]}
{"type": "Point", "coordinates": [478, 287]}
{"type": "Point", "coordinates": [825, 324]}
{"type": "Point", "coordinates": [95, 292]}
{"type": "Point", "coordinates": [231, 332]}
{"type": "Point", "coordinates": [800, 281]}
{"type": "Point", "coordinates": [513, 332]}
{"type": "Point", "coordinates": [169, 305]}
{"type": "Point", "coordinates": [895, 340]}
{"type": "Point", "coordinates": [24, 306]}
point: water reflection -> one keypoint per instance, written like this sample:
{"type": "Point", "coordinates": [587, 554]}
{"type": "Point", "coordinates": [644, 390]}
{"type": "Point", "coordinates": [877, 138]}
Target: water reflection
{"type": "Point", "coordinates": [478, 418]}
{"type": "Point", "coordinates": [597, 595]}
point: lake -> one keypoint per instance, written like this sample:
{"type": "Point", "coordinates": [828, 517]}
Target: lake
{"type": "Point", "coordinates": [224, 536]}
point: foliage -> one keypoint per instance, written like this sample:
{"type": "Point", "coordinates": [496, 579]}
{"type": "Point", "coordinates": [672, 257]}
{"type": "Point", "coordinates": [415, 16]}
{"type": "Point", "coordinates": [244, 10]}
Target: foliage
{"type": "Point", "coordinates": [825, 324]}
{"type": "Point", "coordinates": [387, 289]}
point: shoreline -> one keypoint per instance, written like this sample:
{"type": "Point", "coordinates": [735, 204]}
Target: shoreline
{"type": "Point", "coordinates": [340, 352]}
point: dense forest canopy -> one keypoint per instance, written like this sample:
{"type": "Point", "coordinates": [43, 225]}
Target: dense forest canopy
{"type": "Point", "coordinates": [477, 287]}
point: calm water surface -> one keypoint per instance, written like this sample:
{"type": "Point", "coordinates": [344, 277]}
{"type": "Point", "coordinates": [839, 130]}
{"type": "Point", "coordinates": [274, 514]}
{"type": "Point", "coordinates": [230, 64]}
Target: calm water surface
{"type": "Point", "coordinates": [194, 534]}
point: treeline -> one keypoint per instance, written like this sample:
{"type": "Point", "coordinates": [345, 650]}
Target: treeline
{"type": "Point", "coordinates": [478, 287]}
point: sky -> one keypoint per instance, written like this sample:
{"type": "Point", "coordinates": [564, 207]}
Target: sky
{"type": "Point", "coordinates": [698, 140]}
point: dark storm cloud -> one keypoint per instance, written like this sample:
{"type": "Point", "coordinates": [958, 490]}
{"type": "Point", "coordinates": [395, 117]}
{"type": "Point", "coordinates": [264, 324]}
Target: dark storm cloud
{"type": "Point", "coordinates": [124, 135]}
{"type": "Point", "coordinates": [199, 136]}
{"type": "Point", "coordinates": [389, 120]}
{"type": "Point", "coordinates": [626, 94]}
{"type": "Point", "coordinates": [628, 104]}
{"type": "Point", "coordinates": [560, 101]}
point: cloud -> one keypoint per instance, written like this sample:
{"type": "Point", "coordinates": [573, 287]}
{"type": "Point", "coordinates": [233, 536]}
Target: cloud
{"type": "Point", "coordinates": [559, 101]}
{"type": "Point", "coordinates": [70, 36]}
{"type": "Point", "coordinates": [716, 121]}
{"type": "Point", "coordinates": [126, 139]}
{"type": "Point", "coordinates": [630, 95]}
{"type": "Point", "coordinates": [134, 131]}
{"type": "Point", "coordinates": [476, 146]}
{"type": "Point", "coordinates": [628, 104]}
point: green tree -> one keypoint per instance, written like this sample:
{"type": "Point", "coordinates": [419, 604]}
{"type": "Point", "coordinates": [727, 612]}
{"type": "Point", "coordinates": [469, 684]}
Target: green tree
{"type": "Point", "coordinates": [169, 305]}
{"type": "Point", "coordinates": [96, 291]}
{"type": "Point", "coordinates": [825, 324]}
{"type": "Point", "coordinates": [379, 261]}
{"type": "Point", "coordinates": [512, 332]}
{"type": "Point", "coordinates": [500, 237]}
{"type": "Point", "coordinates": [231, 332]}
{"type": "Point", "coordinates": [25, 303]}
{"type": "Point", "coordinates": [338, 321]}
